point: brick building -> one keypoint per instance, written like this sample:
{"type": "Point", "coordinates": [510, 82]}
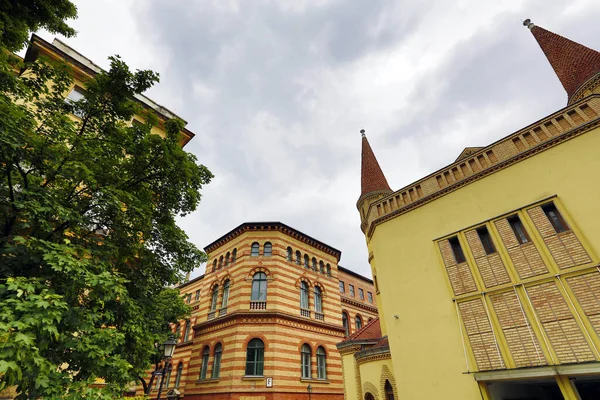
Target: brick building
{"type": "Point", "coordinates": [267, 315]}
{"type": "Point", "coordinates": [487, 271]}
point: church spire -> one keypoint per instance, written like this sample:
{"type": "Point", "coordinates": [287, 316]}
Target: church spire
{"type": "Point", "coordinates": [372, 178]}
{"type": "Point", "coordinates": [573, 63]}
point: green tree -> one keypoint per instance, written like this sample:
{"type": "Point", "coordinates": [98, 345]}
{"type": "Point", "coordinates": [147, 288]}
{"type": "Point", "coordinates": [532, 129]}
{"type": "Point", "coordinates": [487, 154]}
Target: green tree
{"type": "Point", "coordinates": [89, 244]}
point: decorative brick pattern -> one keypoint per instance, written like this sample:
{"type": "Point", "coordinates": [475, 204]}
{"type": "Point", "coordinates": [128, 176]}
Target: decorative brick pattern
{"type": "Point", "coordinates": [460, 275]}
{"type": "Point", "coordinates": [480, 334]}
{"type": "Point", "coordinates": [565, 248]}
{"type": "Point", "coordinates": [563, 332]}
{"type": "Point", "coordinates": [572, 62]}
{"type": "Point", "coordinates": [491, 268]}
{"type": "Point", "coordinates": [525, 257]}
{"type": "Point", "coordinates": [372, 178]}
{"type": "Point", "coordinates": [586, 289]}
{"type": "Point", "coordinates": [521, 340]}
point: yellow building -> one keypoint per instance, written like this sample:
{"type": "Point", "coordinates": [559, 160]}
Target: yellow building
{"type": "Point", "coordinates": [266, 317]}
{"type": "Point", "coordinates": [83, 70]}
{"type": "Point", "coordinates": [487, 271]}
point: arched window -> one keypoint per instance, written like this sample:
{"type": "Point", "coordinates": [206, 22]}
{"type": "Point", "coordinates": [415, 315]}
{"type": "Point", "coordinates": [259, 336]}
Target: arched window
{"type": "Point", "coordinates": [255, 249]}
{"type": "Point", "coordinates": [358, 322]}
{"type": "Point", "coordinates": [328, 270]}
{"type": "Point", "coordinates": [305, 361]}
{"type": "Point", "coordinates": [389, 392]}
{"type": "Point", "coordinates": [233, 256]}
{"type": "Point", "coordinates": [268, 249]}
{"type": "Point", "coordinates": [255, 357]}
{"type": "Point", "coordinates": [215, 296]}
{"type": "Point", "coordinates": [259, 287]}
{"type": "Point", "coordinates": [321, 363]}
{"type": "Point", "coordinates": [178, 376]}
{"type": "Point", "coordinates": [304, 295]}
{"type": "Point", "coordinates": [217, 361]}
{"type": "Point", "coordinates": [314, 264]}
{"type": "Point", "coordinates": [321, 267]}
{"type": "Point", "coordinates": [204, 367]}
{"type": "Point", "coordinates": [188, 326]}
{"type": "Point", "coordinates": [369, 396]}
{"type": "Point", "coordinates": [177, 331]}
{"type": "Point", "coordinates": [225, 294]}
{"type": "Point", "coordinates": [160, 367]}
{"type": "Point", "coordinates": [298, 258]}
{"type": "Point", "coordinates": [227, 258]}
{"type": "Point", "coordinates": [306, 261]}
{"type": "Point", "coordinates": [345, 323]}
{"type": "Point", "coordinates": [215, 265]}
{"type": "Point", "coordinates": [289, 254]}
{"type": "Point", "coordinates": [220, 262]}
{"type": "Point", "coordinates": [168, 376]}
{"type": "Point", "coordinates": [318, 300]}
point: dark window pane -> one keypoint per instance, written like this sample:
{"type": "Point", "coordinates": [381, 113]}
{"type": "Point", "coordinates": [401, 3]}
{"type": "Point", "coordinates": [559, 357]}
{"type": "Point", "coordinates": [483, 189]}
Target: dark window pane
{"type": "Point", "coordinates": [486, 240]}
{"type": "Point", "coordinates": [555, 218]}
{"type": "Point", "coordinates": [459, 256]}
{"type": "Point", "coordinates": [518, 229]}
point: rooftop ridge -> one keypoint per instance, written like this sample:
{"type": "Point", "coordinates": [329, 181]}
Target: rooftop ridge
{"type": "Point", "coordinates": [510, 149]}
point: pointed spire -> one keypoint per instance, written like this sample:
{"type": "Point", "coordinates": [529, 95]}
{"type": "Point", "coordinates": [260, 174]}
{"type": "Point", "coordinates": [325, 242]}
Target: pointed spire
{"type": "Point", "coordinates": [372, 178]}
{"type": "Point", "coordinates": [573, 63]}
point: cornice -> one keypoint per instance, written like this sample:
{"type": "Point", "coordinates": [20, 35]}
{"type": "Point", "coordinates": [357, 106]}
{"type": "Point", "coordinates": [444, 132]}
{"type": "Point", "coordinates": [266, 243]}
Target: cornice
{"type": "Point", "coordinates": [261, 317]}
{"type": "Point", "coordinates": [373, 357]}
{"type": "Point", "coordinates": [358, 304]}
{"type": "Point", "coordinates": [589, 84]}
{"type": "Point", "coordinates": [549, 142]}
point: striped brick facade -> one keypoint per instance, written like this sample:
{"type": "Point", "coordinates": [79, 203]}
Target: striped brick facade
{"type": "Point", "coordinates": [279, 322]}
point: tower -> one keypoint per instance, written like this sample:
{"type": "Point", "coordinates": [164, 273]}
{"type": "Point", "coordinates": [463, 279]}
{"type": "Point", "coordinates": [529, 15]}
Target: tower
{"type": "Point", "coordinates": [373, 183]}
{"type": "Point", "coordinates": [577, 66]}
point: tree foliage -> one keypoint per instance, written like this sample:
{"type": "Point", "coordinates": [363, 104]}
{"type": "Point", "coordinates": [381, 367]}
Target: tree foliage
{"type": "Point", "coordinates": [88, 237]}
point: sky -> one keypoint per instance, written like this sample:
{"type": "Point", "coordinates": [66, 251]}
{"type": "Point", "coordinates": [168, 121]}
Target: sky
{"type": "Point", "coordinates": [277, 92]}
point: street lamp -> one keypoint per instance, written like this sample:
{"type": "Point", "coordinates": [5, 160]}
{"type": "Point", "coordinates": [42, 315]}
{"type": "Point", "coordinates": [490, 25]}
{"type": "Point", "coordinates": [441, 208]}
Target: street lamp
{"type": "Point", "coordinates": [309, 390]}
{"type": "Point", "coordinates": [168, 350]}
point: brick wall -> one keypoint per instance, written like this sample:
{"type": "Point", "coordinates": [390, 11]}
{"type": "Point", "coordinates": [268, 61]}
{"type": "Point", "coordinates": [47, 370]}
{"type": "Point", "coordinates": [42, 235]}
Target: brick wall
{"type": "Point", "coordinates": [460, 276]}
{"type": "Point", "coordinates": [491, 268]}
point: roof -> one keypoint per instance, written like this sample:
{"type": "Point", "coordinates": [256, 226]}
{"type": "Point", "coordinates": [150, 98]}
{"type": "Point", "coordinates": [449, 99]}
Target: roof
{"type": "Point", "coordinates": [467, 152]}
{"type": "Point", "coordinates": [74, 57]}
{"type": "Point", "coordinates": [372, 178]}
{"type": "Point", "coordinates": [355, 274]}
{"type": "Point", "coordinates": [272, 226]}
{"type": "Point", "coordinates": [573, 63]}
{"type": "Point", "coordinates": [370, 332]}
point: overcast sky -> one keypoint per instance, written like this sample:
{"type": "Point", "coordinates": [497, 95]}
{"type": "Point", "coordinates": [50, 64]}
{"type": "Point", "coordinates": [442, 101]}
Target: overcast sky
{"type": "Point", "coordinates": [277, 91]}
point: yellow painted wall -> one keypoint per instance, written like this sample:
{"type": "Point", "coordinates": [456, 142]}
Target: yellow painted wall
{"type": "Point", "coordinates": [371, 373]}
{"type": "Point", "coordinates": [425, 341]}
{"type": "Point", "coordinates": [349, 377]}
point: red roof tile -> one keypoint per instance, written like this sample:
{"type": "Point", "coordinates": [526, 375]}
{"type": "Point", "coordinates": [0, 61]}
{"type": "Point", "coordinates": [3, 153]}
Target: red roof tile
{"type": "Point", "coordinates": [573, 63]}
{"type": "Point", "coordinates": [371, 331]}
{"type": "Point", "coordinates": [372, 178]}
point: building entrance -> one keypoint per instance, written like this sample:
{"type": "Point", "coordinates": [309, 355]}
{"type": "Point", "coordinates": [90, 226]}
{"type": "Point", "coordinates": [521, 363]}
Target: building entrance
{"type": "Point", "coordinates": [587, 387]}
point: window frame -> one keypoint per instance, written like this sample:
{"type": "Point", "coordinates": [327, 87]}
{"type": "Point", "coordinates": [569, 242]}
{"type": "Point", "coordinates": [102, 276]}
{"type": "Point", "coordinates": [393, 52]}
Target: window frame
{"type": "Point", "coordinates": [225, 298]}
{"type": "Point", "coordinates": [369, 296]}
{"type": "Point", "coordinates": [257, 279]}
{"type": "Point", "coordinates": [457, 251]}
{"type": "Point", "coordinates": [255, 249]}
{"type": "Point", "coordinates": [267, 249]}
{"type": "Point", "coordinates": [318, 294]}
{"type": "Point", "coordinates": [204, 366]}
{"type": "Point", "coordinates": [342, 286]}
{"type": "Point", "coordinates": [188, 327]}
{"type": "Point", "coordinates": [217, 355]}
{"type": "Point", "coordinates": [486, 240]}
{"type": "Point", "coordinates": [214, 298]}
{"type": "Point", "coordinates": [304, 301]}
{"type": "Point", "coordinates": [361, 293]}
{"type": "Point", "coordinates": [305, 361]}
{"type": "Point", "coordinates": [258, 358]}
{"type": "Point", "coordinates": [197, 297]}
{"type": "Point", "coordinates": [179, 373]}
{"type": "Point", "coordinates": [351, 290]}
{"type": "Point", "coordinates": [555, 217]}
{"type": "Point", "coordinates": [515, 224]}
{"type": "Point", "coordinates": [321, 363]}
{"type": "Point", "coordinates": [346, 323]}
{"type": "Point", "coordinates": [358, 322]}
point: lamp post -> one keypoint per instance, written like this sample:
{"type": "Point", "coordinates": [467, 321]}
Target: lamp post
{"type": "Point", "coordinates": [169, 349]}
{"type": "Point", "coordinates": [309, 390]}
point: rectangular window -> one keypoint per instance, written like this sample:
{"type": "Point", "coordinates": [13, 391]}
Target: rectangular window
{"type": "Point", "coordinates": [370, 297]}
{"type": "Point", "coordinates": [361, 294]}
{"type": "Point", "coordinates": [342, 287]}
{"type": "Point", "coordinates": [351, 289]}
{"type": "Point", "coordinates": [486, 240]}
{"type": "Point", "coordinates": [197, 294]}
{"type": "Point", "coordinates": [75, 95]}
{"type": "Point", "coordinates": [518, 229]}
{"type": "Point", "coordinates": [459, 256]}
{"type": "Point", "coordinates": [555, 218]}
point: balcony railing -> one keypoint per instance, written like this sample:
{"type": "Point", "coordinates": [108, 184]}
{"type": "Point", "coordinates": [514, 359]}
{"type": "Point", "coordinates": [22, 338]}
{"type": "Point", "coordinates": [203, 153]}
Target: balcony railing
{"type": "Point", "coordinates": [258, 305]}
{"type": "Point", "coordinates": [319, 316]}
{"type": "Point", "coordinates": [305, 313]}
{"type": "Point", "coordinates": [222, 311]}
{"type": "Point", "coordinates": [211, 314]}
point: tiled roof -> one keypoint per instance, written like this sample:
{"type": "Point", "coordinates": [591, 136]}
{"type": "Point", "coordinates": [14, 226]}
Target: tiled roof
{"type": "Point", "coordinates": [372, 178]}
{"type": "Point", "coordinates": [573, 63]}
{"type": "Point", "coordinates": [371, 331]}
